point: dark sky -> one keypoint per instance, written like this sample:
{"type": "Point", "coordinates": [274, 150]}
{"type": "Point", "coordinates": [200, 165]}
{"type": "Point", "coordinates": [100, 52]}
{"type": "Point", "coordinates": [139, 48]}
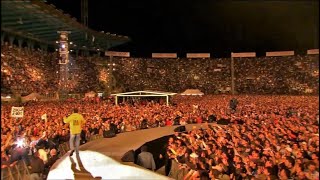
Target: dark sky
{"type": "Point", "coordinates": [204, 25]}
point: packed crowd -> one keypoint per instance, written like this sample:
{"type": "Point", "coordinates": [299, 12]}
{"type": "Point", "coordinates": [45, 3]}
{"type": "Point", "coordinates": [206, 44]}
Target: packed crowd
{"type": "Point", "coordinates": [26, 72]}
{"type": "Point", "coordinates": [264, 145]}
{"type": "Point", "coordinates": [275, 128]}
{"type": "Point", "coordinates": [277, 75]}
{"type": "Point", "coordinates": [36, 71]}
{"type": "Point", "coordinates": [175, 75]}
{"type": "Point", "coordinates": [279, 139]}
{"type": "Point", "coordinates": [83, 75]}
{"type": "Point", "coordinates": [244, 152]}
{"type": "Point", "coordinates": [262, 75]}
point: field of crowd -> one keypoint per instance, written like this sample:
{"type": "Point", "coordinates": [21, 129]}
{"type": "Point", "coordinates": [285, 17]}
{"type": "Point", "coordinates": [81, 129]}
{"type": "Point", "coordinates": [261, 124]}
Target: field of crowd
{"type": "Point", "coordinates": [287, 125]}
{"type": "Point", "coordinates": [271, 134]}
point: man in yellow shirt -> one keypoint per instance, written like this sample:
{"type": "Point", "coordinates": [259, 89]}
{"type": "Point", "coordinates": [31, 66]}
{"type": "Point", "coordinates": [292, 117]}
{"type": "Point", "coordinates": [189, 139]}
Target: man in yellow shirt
{"type": "Point", "coordinates": [75, 121]}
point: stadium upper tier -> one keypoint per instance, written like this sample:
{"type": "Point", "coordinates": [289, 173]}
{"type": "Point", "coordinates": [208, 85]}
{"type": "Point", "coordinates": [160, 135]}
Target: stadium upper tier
{"type": "Point", "coordinates": [38, 71]}
{"type": "Point", "coordinates": [38, 21]}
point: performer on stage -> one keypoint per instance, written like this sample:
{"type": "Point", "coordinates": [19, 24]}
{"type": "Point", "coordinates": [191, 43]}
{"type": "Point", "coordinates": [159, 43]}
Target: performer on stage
{"type": "Point", "coordinates": [76, 121]}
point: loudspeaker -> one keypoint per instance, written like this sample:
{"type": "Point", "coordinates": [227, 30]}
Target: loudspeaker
{"type": "Point", "coordinates": [180, 129]}
{"type": "Point", "coordinates": [113, 128]}
{"type": "Point", "coordinates": [212, 118]}
{"type": "Point", "coordinates": [128, 156]}
{"type": "Point", "coordinates": [233, 104]}
{"type": "Point", "coordinates": [223, 121]}
{"type": "Point", "coordinates": [109, 134]}
{"type": "Point", "coordinates": [144, 124]}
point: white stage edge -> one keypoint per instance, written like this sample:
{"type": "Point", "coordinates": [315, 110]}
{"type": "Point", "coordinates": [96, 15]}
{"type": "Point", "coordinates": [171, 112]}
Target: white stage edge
{"type": "Point", "coordinates": [100, 159]}
{"type": "Point", "coordinates": [93, 165]}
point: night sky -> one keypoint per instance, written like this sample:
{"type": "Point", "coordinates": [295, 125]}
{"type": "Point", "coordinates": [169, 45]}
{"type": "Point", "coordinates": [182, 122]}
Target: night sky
{"type": "Point", "coordinates": [203, 25]}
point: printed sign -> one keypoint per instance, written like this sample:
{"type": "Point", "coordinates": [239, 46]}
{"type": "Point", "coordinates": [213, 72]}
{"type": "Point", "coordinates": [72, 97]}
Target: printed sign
{"type": "Point", "coordinates": [244, 54]}
{"type": "Point", "coordinates": [17, 112]}
{"type": "Point", "coordinates": [44, 117]}
{"type": "Point", "coordinates": [198, 55]}
{"type": "Point", "coordinates": [119, 54]}
{"type": "Point", "coordinates": [313, 51]}
{"type": "Point", "coordinates": [280, 53]}
{"type": "Point", "coordinates": [164, 55]}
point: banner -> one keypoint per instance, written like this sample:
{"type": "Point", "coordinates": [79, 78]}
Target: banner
{"type": "Point", "coordinates": [313, 51]}
{"type": "Point", "coordinates": [198, 55]}
{"type": "Point", "coordinates": [17, 112]}
{"type": "Point", "coordinates": [243, 54]}
{"type": "Point", "coordinates": [250, 78]}
{"type": "Point", "coordinates": [221, 65]}
{"type": "Point", "coordinates": [315, 73]}
{"type": "Point", "coordinates": [164, 55]}
{"type": "Point", "coordinates": [44, 117]}
{"type": "Point", "coordinates": [118, 54]}
{"type": "Point", "coordinates": [308, 90]}
{"type": "Point", "coordinates": [280, 53]}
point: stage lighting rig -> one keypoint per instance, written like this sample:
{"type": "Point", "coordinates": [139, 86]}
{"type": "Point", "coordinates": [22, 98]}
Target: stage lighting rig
{"type": "Point", "coordinates": [64, 47]}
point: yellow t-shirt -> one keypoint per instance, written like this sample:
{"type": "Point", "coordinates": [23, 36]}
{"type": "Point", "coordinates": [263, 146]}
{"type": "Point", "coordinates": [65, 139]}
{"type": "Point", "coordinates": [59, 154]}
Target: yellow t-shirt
{"type": "Point", "coordinates": [76, 121]}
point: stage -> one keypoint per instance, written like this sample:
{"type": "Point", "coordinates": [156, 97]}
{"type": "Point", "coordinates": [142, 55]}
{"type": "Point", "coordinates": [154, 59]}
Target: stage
{"type": "Point", "coordinates": [101, 158]}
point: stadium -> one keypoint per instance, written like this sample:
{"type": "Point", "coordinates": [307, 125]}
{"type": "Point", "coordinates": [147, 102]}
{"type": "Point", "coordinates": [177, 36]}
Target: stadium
{"type": "Point", "coordinates": [201, 90]}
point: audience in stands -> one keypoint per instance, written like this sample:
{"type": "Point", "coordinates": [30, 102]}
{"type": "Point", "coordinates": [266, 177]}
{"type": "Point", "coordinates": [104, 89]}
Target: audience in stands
{"type": "Point", "coordinates": [262, 75]}
{"type": "Point", "coordinates": [26, 72]}
{"type": "Point", "coordinates": [265, 136]}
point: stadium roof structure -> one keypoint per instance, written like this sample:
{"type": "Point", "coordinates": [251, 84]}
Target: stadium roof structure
{"type": "Point", "coordinates": [145, 93]}
{"type": "Point", "coordinates": [40, 22]}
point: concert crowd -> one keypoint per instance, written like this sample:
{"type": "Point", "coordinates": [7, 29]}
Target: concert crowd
{"type": "Point", "coordinates": [26, 72]}
{"type": "Point", "coordinates": [267, 128]}
{"type": "Point", "coordinates": [265, 137]}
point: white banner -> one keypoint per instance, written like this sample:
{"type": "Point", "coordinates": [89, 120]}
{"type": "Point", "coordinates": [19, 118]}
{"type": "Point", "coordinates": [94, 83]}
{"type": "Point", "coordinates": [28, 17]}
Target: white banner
{"type": "Point", "coordinates": [164, 55]}
{"type": "Point", "coordinates": [243, 54]}
{"type": "Point", "coordinates": [280, 53]}
{"type": "Point", "coordinates": [116, 53]}
{"type": "Point", "coordinates": [308, 90]}
{"type": "Point", "coordinates": [198, 55]}
{"type": "Point", "coordinates": [17, 112]}
{"type": "Point", "coordinates": [44, 117]}
{"type": "Point", "coordinates": [315, 73]}
{"type": "Point", "coordinates": [313, 51]}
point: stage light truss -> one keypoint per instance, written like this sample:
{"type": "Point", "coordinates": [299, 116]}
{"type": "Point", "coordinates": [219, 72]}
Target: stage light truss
{"type": "Point", "coordinates": [63, 47]}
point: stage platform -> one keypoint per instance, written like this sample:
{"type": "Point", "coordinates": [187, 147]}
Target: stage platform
{"type": "Point", "coordinates": [101, 158]}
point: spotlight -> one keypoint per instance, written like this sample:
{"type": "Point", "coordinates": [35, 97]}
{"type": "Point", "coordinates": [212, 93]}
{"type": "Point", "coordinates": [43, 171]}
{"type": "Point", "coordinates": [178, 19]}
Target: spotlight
{"type": "Point", "coordinates": [63, 46]}
{"type": "Point", "coordinates": [71, 42]}
{"type": "Point", "coordinates": [20, 143]}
